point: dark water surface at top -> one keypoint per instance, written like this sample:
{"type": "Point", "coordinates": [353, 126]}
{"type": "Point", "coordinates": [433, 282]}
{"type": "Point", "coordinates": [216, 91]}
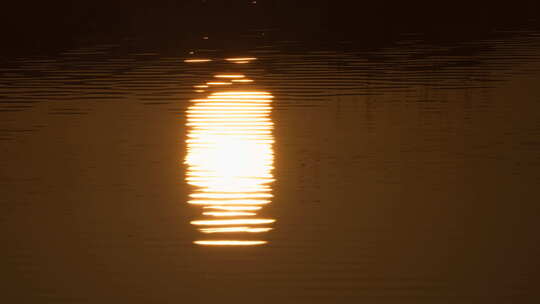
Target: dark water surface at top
{"type": "Point", "coordinates": [403, 174]}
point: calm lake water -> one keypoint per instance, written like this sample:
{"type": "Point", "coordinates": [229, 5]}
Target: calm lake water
{"type": "Point", "coordinates": [407, 173]}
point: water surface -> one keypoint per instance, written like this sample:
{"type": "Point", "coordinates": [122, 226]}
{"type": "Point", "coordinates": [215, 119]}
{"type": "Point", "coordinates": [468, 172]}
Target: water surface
{"type": "Point", "coordinates": [406, 173]}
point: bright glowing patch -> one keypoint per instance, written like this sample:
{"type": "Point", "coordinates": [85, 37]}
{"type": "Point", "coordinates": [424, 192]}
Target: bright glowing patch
{"type": "Point", "coordinates": [232, 222]}
{"type": "Point", "coordinates": [218, 83]}
{"type": "Point", "coordinates": [230, 161]}
{"type": "Point", "coordinates": [241, 59]}
{"type": "Point", "coordinates": [197, 60]}
{"type": "Point", "coordinates": [230, 243]}
{"type": "Point", "coordinates": [229, 76]}
{"type": "Point", "coordinates": [233, 208]}
{"type": "Point", "coordinates": [229, 213]}
{"type": "Point", "coordinates": [234, 230]}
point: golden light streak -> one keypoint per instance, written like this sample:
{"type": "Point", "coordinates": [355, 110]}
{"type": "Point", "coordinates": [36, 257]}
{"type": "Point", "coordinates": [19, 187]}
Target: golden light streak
{"type": "Point", "coordinates": [234, 229]}
{"type": "Point", "coordinates": [240, 101]}
{"type": "Point", "coordinates": [228, 115]}
{"type": "Point", "coordinates": [228, 119]}
{"type": "Point", "coordinates": [199, 143]}
{"type": "Point", "coordinates": [236, 59]}
{"type": "Point", "coordinates": [232, 213]}
{"type": "Point", "coordinates": [218, 83]}
{"type": "Point", "coordinates": [241, 98]}
{"type": "Point", "coordinates": [242, 80]}
{"type": "Point", "coordinates": [219, 129]}
{"type": "Point", "coordinates": [244, 100]}
{"type": "Point", "coordinates": [229, 76]}
{"type": "Point", "coordinates": [232, 222]}
{"type": "Point", "coordinates": [238, 132]}
{"type": "Point", "coordinates": [233, 208]}
{"type": "Point", "coordinates": [223, 124]}
{"type": "Point", "coordinates": [221, 112]}
{"type": "Point", "coordinates": [201, 86]}
{"type": "Point", "coordinates": [227, 103]}
{"type": "Point", "coordinates": [213, 182]}
{"type": "Point", "coordinates": [229, 188]}
{"type": "Point", "coordinates": [230, 160]}
{"type": "Point", "coordinates": [227, 108]}
{"type": "Point", "coordinates": [228, 202]}
{"type": "Point", "coordinates": [230, 195]}
{"type": "Point", "coordinates": [210, 180]}
{"type": "Point", "coordinates": [239, 93]}
{"type": "Point", "coordinates": [230, 243]}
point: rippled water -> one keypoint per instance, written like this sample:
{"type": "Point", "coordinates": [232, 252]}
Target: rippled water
{"type": "Point", "coordinates": [405, 174]}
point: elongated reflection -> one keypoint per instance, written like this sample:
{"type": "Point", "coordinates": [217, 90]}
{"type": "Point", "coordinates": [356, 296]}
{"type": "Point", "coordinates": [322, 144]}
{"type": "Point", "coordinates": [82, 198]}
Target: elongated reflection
{"type": "Point", "coordinates": [230, 243]}
{"type": "Point", "coordinates": [230, 161]}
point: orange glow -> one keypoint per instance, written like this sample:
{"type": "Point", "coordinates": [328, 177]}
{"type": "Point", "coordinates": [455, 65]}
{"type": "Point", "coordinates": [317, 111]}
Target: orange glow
{"type": "Point", "coordinates": [234, 229]}
{"type": "Point", "coordinates": [230, 195]}
{"type": "Point", "coordinates": [241, 59]}
{"type": "Point", "coordinates": [230, 243]}
{"type": "Point", "coordinates": [229, 76]}
{"type": "Point", "coordinates": [218, 83]}
{"type": "Point", "coordinates": [230, 161]}
{"type": "Point", "coordinates": [197, 60]}
{"type": "Point", "coordinates": [232, 213]}
{"type": "Point", "coordinates": [228, 202]}
{"type": "Point", "coordinates": [232, 222]}
{"type": "Point", "coordinates": [242, 93]}
{"type": "Point", "coordinates": [233, 208]}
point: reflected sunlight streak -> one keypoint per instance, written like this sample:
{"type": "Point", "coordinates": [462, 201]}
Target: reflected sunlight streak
{"type": "Point", "coordinates": [229, 76]}
{"type": "Point", "coordinates": [234, 229]}
{"type": "Point", "coordinates": [232, 222]}
{"type": "Point", "coordinates": [233, 208]}
{"type": "Point", "coordinates": [230, 161]}
{"type": "Point", "coordinates": [197, 60]}
{"type": "Point", "coordinates": [241, 59]}
{"type": "Point", "coordinates": [229, 213]}
{"type": "Point", "coordinates": [218, 83]}
{"type": "Point", "coordinates": [230, 243]}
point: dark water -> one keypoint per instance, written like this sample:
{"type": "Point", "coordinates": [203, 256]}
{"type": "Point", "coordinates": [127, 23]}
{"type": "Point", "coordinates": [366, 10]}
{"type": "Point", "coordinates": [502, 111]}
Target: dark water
{"type": "Point", "coordinates": [405, 173]}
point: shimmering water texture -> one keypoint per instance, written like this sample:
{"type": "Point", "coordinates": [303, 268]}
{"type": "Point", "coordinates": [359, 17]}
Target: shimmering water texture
{"type": "Point", "coordinates": [230, 161]}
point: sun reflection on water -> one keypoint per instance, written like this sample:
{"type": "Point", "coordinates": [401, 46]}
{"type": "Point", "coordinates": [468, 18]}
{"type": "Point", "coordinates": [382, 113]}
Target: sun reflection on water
{"type": "Point", "coordinates": [230, 160]}
{"type": "Point", "coordinates": [229, 243]}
